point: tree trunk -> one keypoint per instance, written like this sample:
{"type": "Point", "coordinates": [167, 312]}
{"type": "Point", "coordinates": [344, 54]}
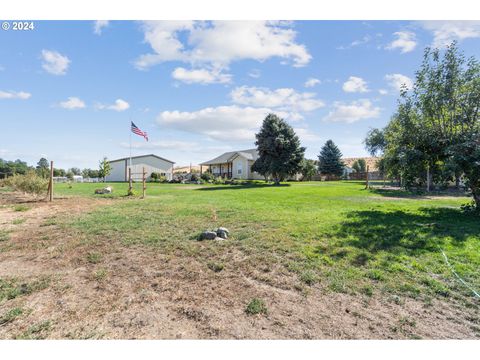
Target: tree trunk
{"type": "Point", "coordinates": [476, 197]}
{"type": "Point", "coordinates": [457, 182]}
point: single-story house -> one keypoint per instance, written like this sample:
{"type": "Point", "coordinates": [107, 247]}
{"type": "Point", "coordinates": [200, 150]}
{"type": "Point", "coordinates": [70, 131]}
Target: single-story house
{"type": "Point", "coordinates": [234, 165]}
{"type": "Point", "coordinates": [151, 163]}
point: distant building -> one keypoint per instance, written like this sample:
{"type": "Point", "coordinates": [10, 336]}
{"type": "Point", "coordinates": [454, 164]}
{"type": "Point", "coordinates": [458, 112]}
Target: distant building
{"type": "Point", "coordinates": [151, 163]}
{"type": "Point", "coordinates": [234, 165]}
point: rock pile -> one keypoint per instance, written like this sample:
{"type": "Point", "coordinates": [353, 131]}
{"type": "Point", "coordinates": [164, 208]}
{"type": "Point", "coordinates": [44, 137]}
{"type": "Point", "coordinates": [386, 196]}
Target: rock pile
{"type": "Point", "coordinates": [219, 234]}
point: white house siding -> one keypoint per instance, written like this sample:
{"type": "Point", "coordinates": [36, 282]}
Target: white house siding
{"type": "Point", "coordinates": [150, 163]}
{"type": "Point", "coordinates": [240, 163]}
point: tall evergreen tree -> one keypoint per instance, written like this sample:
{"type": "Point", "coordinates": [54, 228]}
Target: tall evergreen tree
{"type": "Point", "coordinates": [330, 160]}
{"type": "Point", "coordinates": [280, 153]}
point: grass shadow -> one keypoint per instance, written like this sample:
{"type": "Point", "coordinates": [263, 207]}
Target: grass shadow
{"type": "Point", "coordinates": [241, 187]}
{"type": "Point", "coordinates": [415, 194]}
{"type": "Point", "coordinates": [400, 231]}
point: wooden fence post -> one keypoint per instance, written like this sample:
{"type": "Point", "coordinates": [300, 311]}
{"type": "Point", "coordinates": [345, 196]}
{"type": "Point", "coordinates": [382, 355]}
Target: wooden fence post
{"type": "Point", "coordinates": [366, 180]}
{"type": "Point", "coordinates": [143, 182]}
{"type": "Point", "coordinates": [50, 185]}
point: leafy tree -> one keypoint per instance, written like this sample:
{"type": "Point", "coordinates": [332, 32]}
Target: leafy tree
{"type": "Point", "coordinates": [69, 175]}
{"type": "Point", "coordinates": [308, 169]}
{"type": "Point", "coordinates": [330, 160]}
{"type": "Point", "coordinates": [104, 168]}
{"type": "Point", "coordinates": [280, 153]}
{"type": "Point", "coordinates": [359, 165]}
{"type": "Point", "coordinates": [375, 141]}
{"type": "Point", "coordinates": [13, 167]}
{"type": "Point", "coordinates": [436, 127]}
{"type": "Point", "coordinates": [59, 172]}
{"type": "Point", "coordinates": [76, 171]}
{"type": "Point", "coordinates": [43, 167]}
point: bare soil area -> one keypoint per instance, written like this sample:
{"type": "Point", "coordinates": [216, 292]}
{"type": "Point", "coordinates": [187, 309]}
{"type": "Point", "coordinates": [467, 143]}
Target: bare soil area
{"type": "Point", "coordinates": [63, 290]}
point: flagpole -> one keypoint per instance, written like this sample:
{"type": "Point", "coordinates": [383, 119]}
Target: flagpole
{"type": "Point", "coordinates": [130, 143]}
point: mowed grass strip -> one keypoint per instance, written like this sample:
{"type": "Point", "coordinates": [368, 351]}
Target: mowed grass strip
{"type": "Point", "coordinates": [335, 234]}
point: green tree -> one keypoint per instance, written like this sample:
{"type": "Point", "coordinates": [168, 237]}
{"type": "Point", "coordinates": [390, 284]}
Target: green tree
{"type": "Point", "coordinates": [436, 127]}
{"type": "Point", "coordinates": [104, 168]}
{"type": "Point", "coordinates": [308, 170]}
{"type": "Point", "coordinates": [59, 172]}
{"type": "Point", "coordinates": [8, 168]}
{"type": "Point", "coordinates": [43, 167]}
{"type": "Point", "coordinates": [280, 153]}
{"type": "Point", "coordinates": [375, 141]}
{"type": "Point", "coordinates": [75, 171]}
{"type": "Point", "coordinates": [359, 165]}
{"type": "Point", "coordinates": [330, 160]}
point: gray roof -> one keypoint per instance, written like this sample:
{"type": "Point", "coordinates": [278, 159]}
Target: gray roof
{"type": "Point", "coordinates": [250, 154]}
{"type": "Point", "coordinates": [142, 156]}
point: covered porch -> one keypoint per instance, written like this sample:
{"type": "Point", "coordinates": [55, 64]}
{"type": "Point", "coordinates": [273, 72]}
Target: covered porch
{"type": "Point", "coordinates": [224, 170]}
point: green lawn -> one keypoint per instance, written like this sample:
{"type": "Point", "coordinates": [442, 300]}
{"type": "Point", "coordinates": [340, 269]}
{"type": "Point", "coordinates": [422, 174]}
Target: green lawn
{"type": "Point", "coordinates": [335, 234]}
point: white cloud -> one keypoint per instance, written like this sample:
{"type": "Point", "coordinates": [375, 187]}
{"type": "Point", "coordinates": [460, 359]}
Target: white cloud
{"type": "Point", "coordinates": [444, 32]}
{"type": "Point", "coordinates": [383, 91]}
{"type": "Point", "coordinates": [72, 103]}
{"type": "Point", "coordinates": [218, 43]}
{"type": "Point", "coordinates": [225, 123]}
{"type": "Point", "coordinates": [352, 112]}
{"type": "Point", "coordinates": [311, 82]}
{"type": "Point", "coordinates": [202, 76]}
{"type": "Point", "coordinates": [355, 84]}
{"type": "Point", "coordinates": [286, 99]}
{"type": "Point", "coordinates": [397, 80]}
{"type": "Point", "coordinates": [99, 25]}
{"type": "Point", "coordinates": [54, 62]}
{"type": "Point", "coordinates": [119, 105]}
{"type": "Point", "coordinates": [15, 95]}
{"type": "Point", "coordinates": [306, 135]}
{"type": "Point", "coordinates": [354, 43]}
{"type": "Point", "coordinates": [254, 73]}
{"type": "Point", "coordinates": [405, 41]}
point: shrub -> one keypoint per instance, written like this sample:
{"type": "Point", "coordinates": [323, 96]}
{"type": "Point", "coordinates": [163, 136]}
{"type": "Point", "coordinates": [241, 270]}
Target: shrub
{"type": "Point", "coordinates": [29, 183]}
{"type": "Point", "coordinates": [219, 181]}
{"type": "Point", "coordinates": [207, 176]}
{"type": "Point", "coordinates": [256, 306]}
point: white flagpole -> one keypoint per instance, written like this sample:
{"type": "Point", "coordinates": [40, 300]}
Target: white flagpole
{"type": "Point", "coordinates": [130, 144]}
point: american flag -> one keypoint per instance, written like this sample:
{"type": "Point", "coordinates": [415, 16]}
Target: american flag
{"type": "Point", "coordinates": [137, 131]}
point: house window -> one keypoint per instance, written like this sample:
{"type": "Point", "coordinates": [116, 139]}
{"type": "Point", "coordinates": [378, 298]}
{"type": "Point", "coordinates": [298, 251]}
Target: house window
{"type": "Point", "coordinates": [239, 168]}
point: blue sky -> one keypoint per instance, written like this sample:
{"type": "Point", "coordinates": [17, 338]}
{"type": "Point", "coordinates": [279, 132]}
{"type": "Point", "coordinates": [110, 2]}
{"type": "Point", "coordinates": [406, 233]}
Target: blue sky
{"type": "Point", "coordinates": [68, 89]}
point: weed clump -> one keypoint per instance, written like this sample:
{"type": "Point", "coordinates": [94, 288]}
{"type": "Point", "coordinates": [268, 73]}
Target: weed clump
{"type": "Point", "coordinates": [256, 306]}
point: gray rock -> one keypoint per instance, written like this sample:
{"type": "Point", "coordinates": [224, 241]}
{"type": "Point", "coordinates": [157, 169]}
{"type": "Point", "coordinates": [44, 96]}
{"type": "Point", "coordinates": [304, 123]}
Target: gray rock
{"type": "Point", "coordinates": [222, 234]}
{"type": "Point", "coordinates": [208, 235]}
{"type": "Point", "coordinates": [222, 229]}
{"type": "Point", "coordinates": [107, 190]}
